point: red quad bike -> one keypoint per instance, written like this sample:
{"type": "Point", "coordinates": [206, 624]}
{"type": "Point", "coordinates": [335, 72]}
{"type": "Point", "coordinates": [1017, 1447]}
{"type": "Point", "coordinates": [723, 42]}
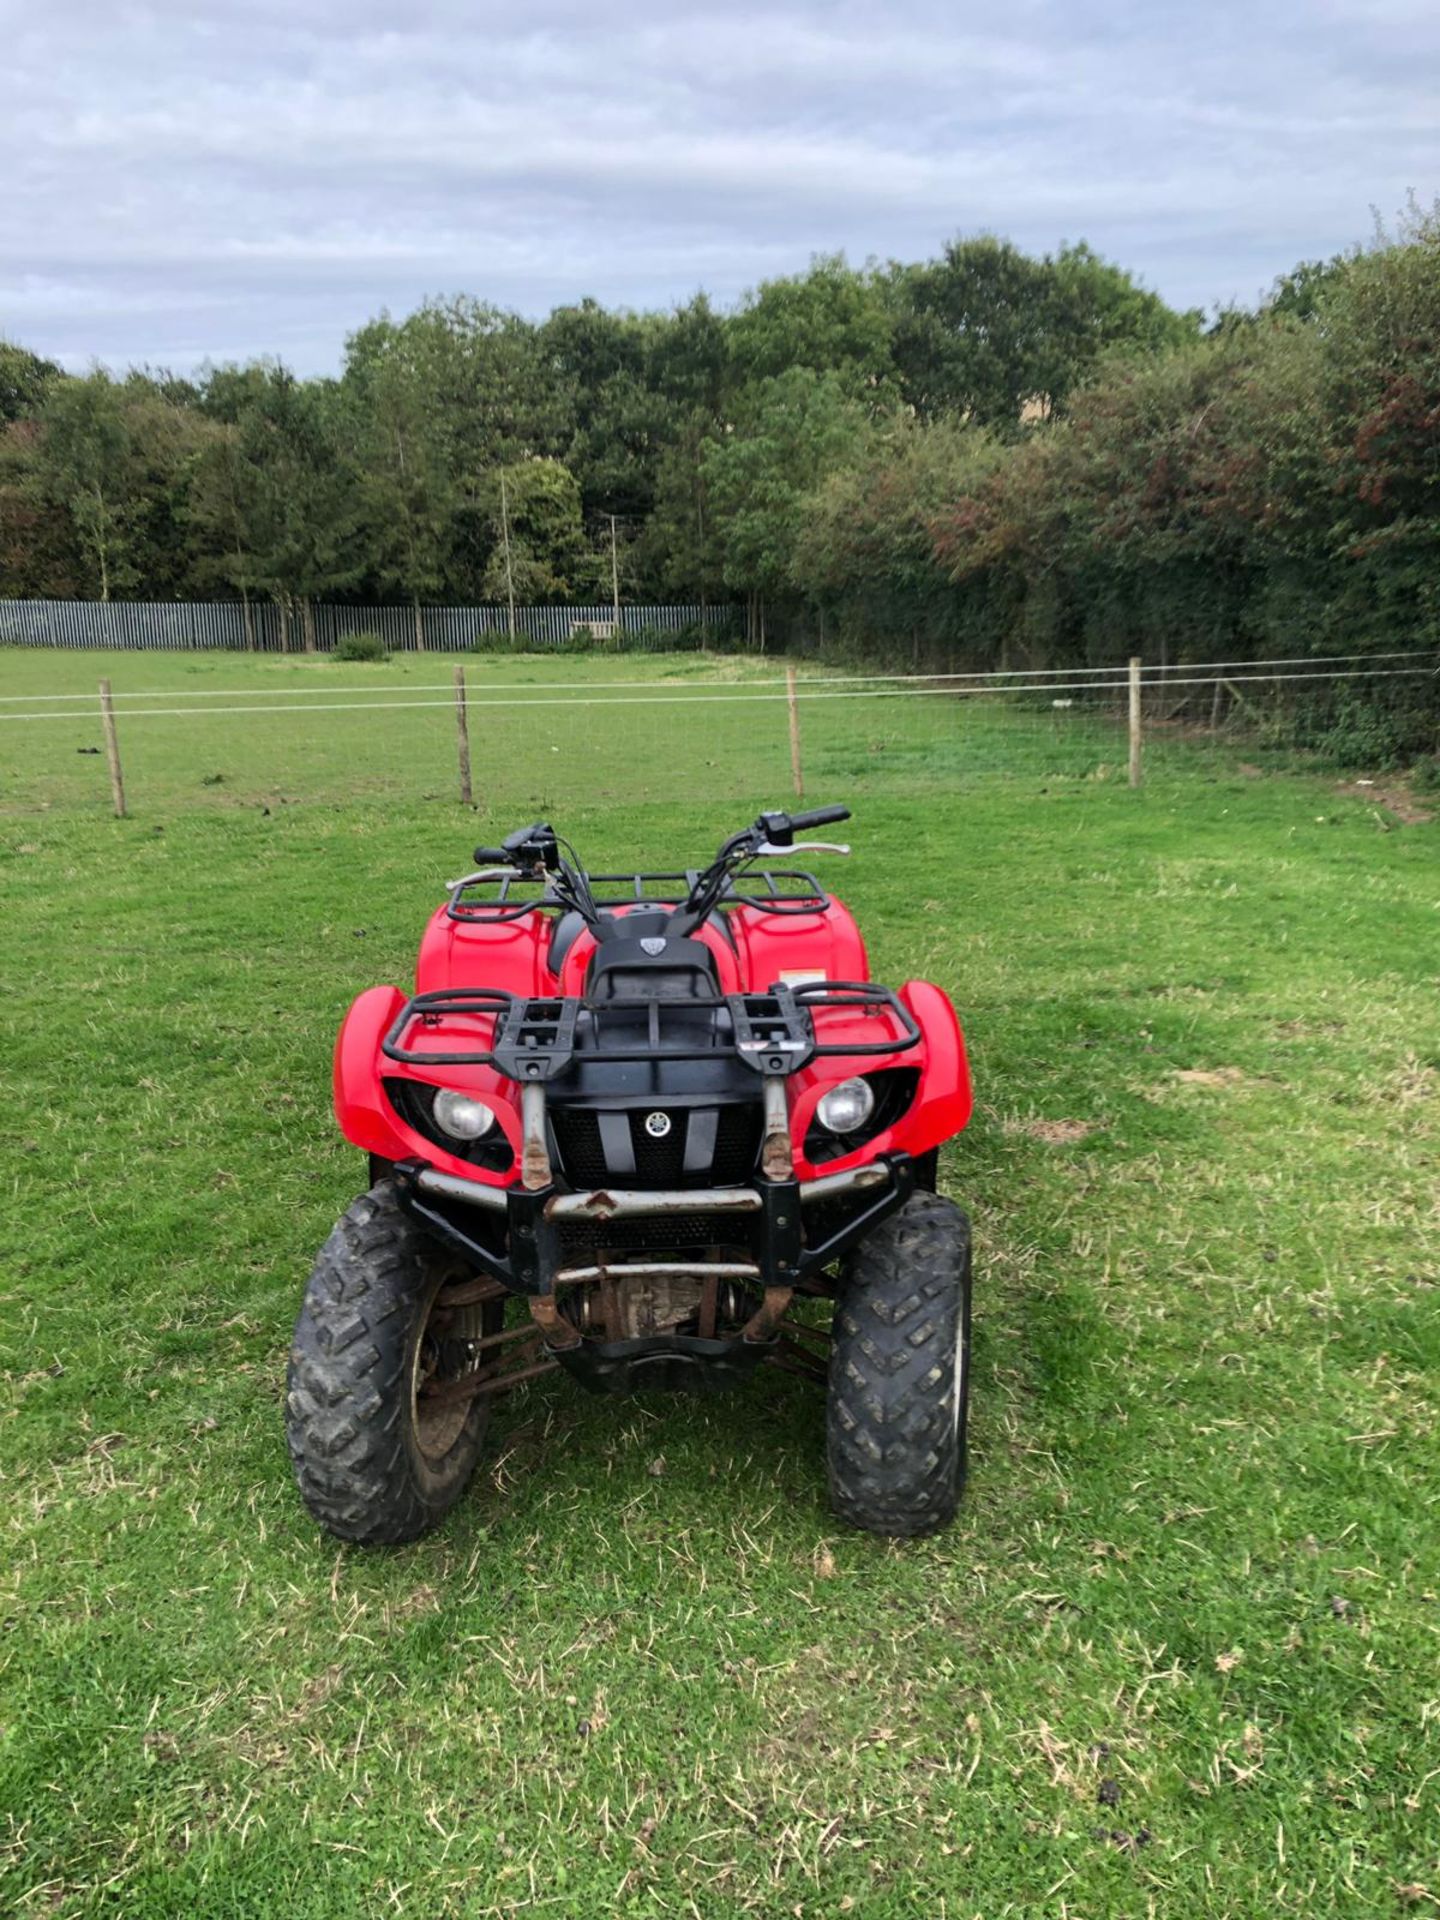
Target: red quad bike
{"type": "Point", "coordinates": [639, 1127]}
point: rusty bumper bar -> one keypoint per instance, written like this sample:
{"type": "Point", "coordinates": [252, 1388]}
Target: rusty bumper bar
{"type": "Point", "coordinates": [631, 1203]}
{"type": "Point", "coordinates": [517, 1236]}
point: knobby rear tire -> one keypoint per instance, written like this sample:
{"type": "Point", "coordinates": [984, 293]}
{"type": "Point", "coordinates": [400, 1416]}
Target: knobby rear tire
{"type": "Point", "coordinates": [365, 1469]}
{"type": "Point", "coordinates": [897, 1404]}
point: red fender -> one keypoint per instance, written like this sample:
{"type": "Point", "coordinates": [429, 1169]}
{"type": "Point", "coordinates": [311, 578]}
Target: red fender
{"type": "Point", "coordinates": [942, 1104]}
{"type": "Point", "coordinates": [945, 1101]}
{"type": "Point", "coordinates": [365, 1115]}
{"type": "Point", "coordinates": [826, 943]}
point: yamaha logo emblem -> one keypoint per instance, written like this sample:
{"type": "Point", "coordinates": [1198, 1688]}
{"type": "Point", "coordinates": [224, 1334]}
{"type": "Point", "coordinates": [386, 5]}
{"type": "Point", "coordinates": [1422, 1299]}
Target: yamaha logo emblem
{"type": "Point", "coordinates": [652, 945]}
{"type": "Point", "coordinates": [657, 1125]}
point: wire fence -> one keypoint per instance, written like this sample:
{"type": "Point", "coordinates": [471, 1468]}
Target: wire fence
{"type": "Point", "coordinates": [234, 626]}
{"type": "Point", "coordinates": [275, 734]}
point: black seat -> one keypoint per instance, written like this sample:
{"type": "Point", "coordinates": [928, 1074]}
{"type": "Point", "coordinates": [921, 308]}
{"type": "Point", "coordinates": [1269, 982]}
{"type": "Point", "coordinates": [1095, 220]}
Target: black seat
{"type": "Point", "coordinates": [636, 959]}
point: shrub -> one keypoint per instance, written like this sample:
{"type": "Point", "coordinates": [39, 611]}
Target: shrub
{"type": "Point", "coordinates": [360, 646]}
{"type": "Point", "coordinates": [656, 639]}
{"type": "Point", "coordinates": [1374, 725]}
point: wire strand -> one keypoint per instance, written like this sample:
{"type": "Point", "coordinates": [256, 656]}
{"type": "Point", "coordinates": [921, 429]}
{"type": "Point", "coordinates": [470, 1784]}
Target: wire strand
{"type": "Point", "coordinates": [1152, 673]}
{"type": "Point", "coordinates": [565, 701]}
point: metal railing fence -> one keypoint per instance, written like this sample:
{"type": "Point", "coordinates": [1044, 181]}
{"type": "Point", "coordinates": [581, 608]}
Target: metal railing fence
{"type": "Point", "coordinates": [223, 625]}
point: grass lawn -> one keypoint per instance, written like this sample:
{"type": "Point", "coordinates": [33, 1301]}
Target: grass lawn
{"type": "Point", "coordinates": [1180, 1654]}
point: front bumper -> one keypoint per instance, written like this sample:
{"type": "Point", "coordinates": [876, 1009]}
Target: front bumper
{"type": "Point", "coordinates": [791, 1228]}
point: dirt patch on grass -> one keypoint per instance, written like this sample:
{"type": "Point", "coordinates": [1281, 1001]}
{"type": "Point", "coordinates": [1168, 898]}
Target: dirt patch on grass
{"type": "Point", "coordinates": [1055, 1133]}
{"type": "Point", "coordinates": [1395, 796]}
{"type": "Point", "coordinates": [1208, 1077]}
{"type": "Point", "coordinates": [1413, 1082]}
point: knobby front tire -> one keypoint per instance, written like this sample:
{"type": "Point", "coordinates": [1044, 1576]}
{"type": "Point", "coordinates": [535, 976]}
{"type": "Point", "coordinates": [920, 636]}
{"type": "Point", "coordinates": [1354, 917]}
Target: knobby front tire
{"type": "Point", "coordinates": [897, 1403]}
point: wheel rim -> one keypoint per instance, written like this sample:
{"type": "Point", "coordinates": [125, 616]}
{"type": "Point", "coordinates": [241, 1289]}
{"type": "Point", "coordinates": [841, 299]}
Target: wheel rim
{"type": "Point", "coordinates": [442, 1352]}
{"type": "Point", "coordinates": [962, 1361]}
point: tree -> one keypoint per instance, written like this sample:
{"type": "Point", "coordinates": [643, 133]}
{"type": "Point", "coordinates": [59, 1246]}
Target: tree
{"type": "Point", "coordinates": [620, 421]}
{"type": "Point", "coordinates": [689, 367]}
{"type": "Point", "coordinates": [833, 319]}
{"type": "Point", "coordinates": [220, 517]}
{"type": "Point", "coordinates": [987, 332]}
{"type": "Point", "coordinates": [38, 555]}
{"type": "Point", "coordinates": [865, 549]}
{"type": "Point", "coordinates": [678, 550]}
{"type": "Point", "coordinates": [25, 381]}
{"type": "Point", "coordinates": [1301, 293]}
{"type": "Point", "coordinates": [400, 450]}
{"type": "Point", "coordinates": [86, 463]}
{"type": "Point", "coordinates": [540, 550]}
{"type": "Point", "coordinates": [794, 429]}
{"type": "Point", "coordinates": [286, 497]}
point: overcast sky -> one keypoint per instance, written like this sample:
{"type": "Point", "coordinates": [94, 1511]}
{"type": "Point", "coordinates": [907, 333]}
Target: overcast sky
{"type": "Point", "coordinates": [226, 178]}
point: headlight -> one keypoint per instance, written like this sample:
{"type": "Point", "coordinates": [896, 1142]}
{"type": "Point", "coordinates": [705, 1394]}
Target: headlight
{"type": "Point", "coordinates": [460, 1116]}
{"type": "Point", "coordinates": [846, 1107]}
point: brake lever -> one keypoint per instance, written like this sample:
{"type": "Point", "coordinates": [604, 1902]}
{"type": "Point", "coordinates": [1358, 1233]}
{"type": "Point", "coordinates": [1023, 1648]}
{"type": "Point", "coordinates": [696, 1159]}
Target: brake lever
{"type": "Point", "coordinates": [485, 873]}
{"type": "Point", "coordinates": [801, 846]}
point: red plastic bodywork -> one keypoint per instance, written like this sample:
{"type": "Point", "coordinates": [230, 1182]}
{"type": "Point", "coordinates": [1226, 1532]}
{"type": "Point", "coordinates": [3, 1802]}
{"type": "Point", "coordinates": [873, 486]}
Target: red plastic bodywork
{"type": "Point", "coordinates": [767, 947]}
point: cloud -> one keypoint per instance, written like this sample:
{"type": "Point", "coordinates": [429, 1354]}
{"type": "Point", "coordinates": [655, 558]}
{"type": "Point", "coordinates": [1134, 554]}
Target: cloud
{"type": "Point", "coordinates": [262, 178]}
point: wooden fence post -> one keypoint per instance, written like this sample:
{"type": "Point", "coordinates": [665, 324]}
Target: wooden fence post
{"type": "Point", "coordinates": [1134, 719]}
{"type": "Point", "coordinates": [112, 750]}
{"type": "Point", "coordinates": [796, 771]}
{"type": "Point", "coordinates": [462, 738]}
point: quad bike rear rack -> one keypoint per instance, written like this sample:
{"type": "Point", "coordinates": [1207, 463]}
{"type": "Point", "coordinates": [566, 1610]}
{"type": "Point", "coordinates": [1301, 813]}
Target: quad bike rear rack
{"type": "Point", "coordinates": [784, 890]}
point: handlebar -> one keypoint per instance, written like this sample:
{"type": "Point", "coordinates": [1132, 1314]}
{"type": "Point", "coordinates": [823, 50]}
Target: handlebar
{"type": "Point", "coordinates": [528, 847]}
{"type": "Point", "coordinates": [818, 817]}
{"type": "Point", "coordinates": [536, 851]}
{"type": "Point", "coordinates": [771, 833]}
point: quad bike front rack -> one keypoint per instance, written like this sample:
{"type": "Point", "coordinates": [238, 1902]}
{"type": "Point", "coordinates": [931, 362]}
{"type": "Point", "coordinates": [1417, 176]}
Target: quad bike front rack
{"type": "Point", "coordinates": [536, 1039]}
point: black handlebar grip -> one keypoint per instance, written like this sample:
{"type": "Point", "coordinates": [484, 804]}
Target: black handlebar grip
{"type": "Point", "coordinates": [818, 817]}
{"type": "Point", "coordinates": [485, 856]}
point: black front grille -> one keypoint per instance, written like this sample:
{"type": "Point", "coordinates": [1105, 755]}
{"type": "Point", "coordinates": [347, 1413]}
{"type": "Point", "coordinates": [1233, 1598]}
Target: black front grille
{"type": "Point", "coordinates": [737, 1146]}
{"type": "Point", "coordinates": [660, 1163]}
{"type": "Point", "coordinates": [705, 1146]}
{"type": "Point", "coordinates": [577, 1134]}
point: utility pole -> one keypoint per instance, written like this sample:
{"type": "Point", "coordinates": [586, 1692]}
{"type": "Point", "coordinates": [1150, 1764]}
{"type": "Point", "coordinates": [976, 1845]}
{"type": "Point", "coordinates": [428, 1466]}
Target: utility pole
{"type": "Point", "coordinates": [505, 535]}
{"type": "Point", "coordinates": [615, 576]}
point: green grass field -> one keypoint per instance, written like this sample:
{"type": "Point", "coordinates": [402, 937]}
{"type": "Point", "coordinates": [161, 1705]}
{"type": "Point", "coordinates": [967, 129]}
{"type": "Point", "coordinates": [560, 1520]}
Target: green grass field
{"type": "Point", "coordinates": [1180, 1654]}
